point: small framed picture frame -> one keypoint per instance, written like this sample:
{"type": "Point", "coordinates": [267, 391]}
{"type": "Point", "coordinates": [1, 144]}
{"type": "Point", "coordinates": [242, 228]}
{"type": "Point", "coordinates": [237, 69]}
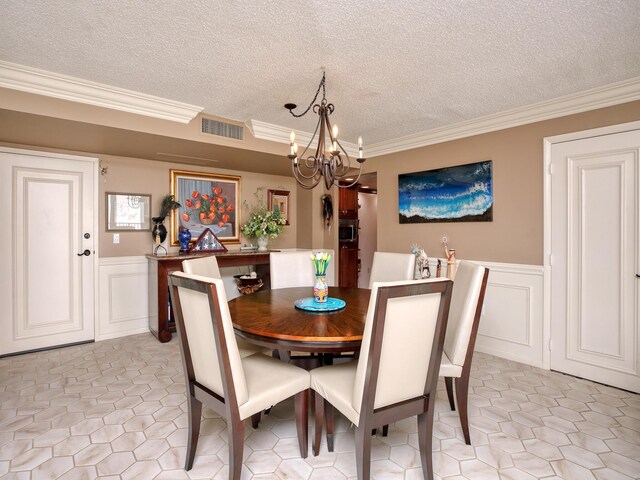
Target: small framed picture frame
{"type": "Point", "coordinates": [128, 212]}
{"type": "Point", "coordinates": [279, 199]}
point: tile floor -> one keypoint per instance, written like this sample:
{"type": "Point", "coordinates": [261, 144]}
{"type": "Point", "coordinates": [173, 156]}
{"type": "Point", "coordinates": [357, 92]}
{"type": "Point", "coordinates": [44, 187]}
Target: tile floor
{"type": "Point", "coordinates": [116, 410]}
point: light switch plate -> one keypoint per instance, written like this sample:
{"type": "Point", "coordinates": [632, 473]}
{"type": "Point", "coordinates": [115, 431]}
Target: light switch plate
{"type": "Point", "coordinates": [116, 238]}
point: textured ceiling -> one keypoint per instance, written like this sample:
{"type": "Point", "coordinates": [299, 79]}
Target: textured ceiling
{"type": "Point", "coordinates": [393, 67]}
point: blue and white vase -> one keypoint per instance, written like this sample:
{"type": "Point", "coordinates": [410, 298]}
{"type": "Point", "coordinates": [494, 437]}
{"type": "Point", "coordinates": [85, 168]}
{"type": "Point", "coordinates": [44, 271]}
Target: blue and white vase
{"type": "Point", "coordinates": [184, 237]}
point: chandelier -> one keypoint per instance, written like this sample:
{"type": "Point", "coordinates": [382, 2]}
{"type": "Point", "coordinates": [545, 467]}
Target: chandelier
{"type": "Point", "coordinates": [330, 160]}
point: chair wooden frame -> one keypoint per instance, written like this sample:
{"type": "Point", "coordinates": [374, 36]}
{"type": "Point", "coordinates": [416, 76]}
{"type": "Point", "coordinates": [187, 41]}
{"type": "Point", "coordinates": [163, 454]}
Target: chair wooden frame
{"type": "Point", "coordinates": [226, 406]}
{"type": "Point", "coordinates": [423, 406]}
{"type": "Point", "coordinates": [462, 382]}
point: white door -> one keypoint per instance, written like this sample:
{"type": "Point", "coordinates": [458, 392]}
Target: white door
{"type": "Point", "coordinates": [595, 203]}
{"type": "Point", "coordinates": [46, 289]}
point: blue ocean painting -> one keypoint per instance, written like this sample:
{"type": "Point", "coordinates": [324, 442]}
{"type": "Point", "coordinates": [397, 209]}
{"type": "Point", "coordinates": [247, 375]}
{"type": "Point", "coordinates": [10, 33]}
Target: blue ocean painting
{"type": "Point", "coordinates": [463, 193]}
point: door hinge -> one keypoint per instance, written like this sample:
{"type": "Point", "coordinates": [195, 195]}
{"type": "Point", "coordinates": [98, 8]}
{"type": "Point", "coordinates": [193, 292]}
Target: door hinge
{"type": "Point", "coordinates": [550, 344]}
{"type": "Point", "coordinates": [550, 260]}
{"type": "Point", "coordinates": [550, 169]}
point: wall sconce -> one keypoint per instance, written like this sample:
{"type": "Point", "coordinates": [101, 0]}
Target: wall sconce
{"type": "Point", "coordinates": [104, 169]}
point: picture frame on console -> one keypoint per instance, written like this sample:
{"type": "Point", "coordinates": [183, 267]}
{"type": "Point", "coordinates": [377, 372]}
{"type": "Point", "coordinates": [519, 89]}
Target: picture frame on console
{"type": "Point", "coordinates": [279, 199]}
{"type": "Point", "coordinates": [208, 201]}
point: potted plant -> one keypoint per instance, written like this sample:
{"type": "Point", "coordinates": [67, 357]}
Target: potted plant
{"type": "Point", "coordinates": [264, 224]}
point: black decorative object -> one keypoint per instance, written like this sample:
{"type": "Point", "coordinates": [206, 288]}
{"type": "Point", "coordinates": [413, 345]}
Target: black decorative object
{"type": "Point", "coordinates": [159, 231]}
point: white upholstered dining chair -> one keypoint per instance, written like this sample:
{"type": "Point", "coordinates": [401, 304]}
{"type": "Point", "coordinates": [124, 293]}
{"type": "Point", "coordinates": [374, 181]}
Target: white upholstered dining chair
{"type": "Point", "coordinates": [295, 269]}
{"type": "Point", "coordinates": [208, 267]}
{"type": "Point", "coordinates": [236, 388]}
{"type": "Point", "coordinates": [464, 317]}
{"type": "Point", "coordinates": [397, 372]}
{"type": "Point", "coordinates": [390, 267]}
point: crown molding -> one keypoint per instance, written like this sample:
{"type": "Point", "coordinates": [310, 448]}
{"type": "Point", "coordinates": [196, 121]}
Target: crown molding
{"type": "Point", "coordinates": [600, 97]}
{"type": "Point", "coordinates": [42, 82]}
{"type": "Point", "coordinates": [280, 134]}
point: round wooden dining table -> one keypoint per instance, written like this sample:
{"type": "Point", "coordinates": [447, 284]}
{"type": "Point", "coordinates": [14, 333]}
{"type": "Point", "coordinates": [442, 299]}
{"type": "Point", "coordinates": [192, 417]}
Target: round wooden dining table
{"type": "Point", "coordinates": [270, 319]}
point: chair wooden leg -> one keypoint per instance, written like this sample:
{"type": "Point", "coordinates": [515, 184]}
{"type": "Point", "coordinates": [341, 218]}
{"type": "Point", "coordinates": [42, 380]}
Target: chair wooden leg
{"type": "Point", "coordinates": [301, 406]}
{"type": "Point", "coordinates": [462, 393]}
{"type": "Point", "coordinates": [255, 420]}
{"type": "Point", "coordinates": [329, 415]}
{"type": "Point", "coordinates": [194, 409]}
{"type": "Point", "coordinates": [363, 453]}
{"type": "Point", "coordinates": [319, 420]}
{"type": "Point", "coordinates": [448, 382]}
{"type": "Point", "coordinates": [236, 445]}
{"type": "Point", "coordinates": [425, 442]}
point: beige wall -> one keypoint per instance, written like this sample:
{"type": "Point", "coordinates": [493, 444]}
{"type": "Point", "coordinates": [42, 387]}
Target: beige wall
{"type": "Point", "coordinates": [135, 175]}
{"type": "Point", "coordinates": [516, 233]}
{"type": "Point", "coordinates": [149, 176]}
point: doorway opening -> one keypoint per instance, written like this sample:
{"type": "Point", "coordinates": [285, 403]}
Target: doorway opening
{"type": "Point", "coordinates": [368, 226]}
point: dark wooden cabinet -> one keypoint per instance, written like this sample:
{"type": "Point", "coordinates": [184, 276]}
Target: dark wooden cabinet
{"type": "Point", "coordinates": [348, 261]}
{"type": "Point", "coordinates": [347, 203]}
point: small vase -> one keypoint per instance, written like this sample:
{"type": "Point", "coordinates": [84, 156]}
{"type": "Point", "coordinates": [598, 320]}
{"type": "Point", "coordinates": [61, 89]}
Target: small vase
{"type": "Point", "coordinates": [263, 241]}
{"type": "Point", "coordinates": [320, 289]}
{"type": "Point", "coordinates": [184, 237]}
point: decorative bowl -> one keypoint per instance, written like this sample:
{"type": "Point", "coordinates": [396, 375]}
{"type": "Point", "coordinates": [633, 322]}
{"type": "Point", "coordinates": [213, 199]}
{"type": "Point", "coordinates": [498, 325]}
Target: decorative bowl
{"type": "Point", "coordinates": [248, 284]}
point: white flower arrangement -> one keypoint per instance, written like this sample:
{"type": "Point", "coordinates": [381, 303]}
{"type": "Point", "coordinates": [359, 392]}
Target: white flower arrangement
{"type": "Point", "coordinates": [264, 222]}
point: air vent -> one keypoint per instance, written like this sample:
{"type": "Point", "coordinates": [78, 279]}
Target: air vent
{"type": "Point", "coordinates": [214, 127]}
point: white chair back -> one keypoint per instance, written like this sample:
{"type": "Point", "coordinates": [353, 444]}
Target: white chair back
{"type": "Point", "coordinates": [464, 302]}
{"type": "Point", "coordinates": [203, 266]}
{"type": "Point", "coordinates": [410, 325]}
{"type": "Point", "coordinates": [198, 326]}
{"type": "Point", "coordinates": [391, 267]}
{"type": "Point", "coordinates": [295, 269]}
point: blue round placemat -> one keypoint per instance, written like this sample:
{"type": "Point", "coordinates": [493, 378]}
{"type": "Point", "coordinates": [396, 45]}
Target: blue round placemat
{"type": "Point", "coordinates": [311, 305]}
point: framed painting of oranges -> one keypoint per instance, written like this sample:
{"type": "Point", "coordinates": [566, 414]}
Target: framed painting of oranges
{"type": "Point", "coordinates": [207, 200]}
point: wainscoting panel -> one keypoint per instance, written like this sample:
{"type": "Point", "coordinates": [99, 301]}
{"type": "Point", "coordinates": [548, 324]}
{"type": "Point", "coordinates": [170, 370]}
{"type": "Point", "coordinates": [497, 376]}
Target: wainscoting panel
{"type": "Point", "coordinates": [123, 297]}
{"type": "Point", "coordinates": [510, 326]}
{"type": "Point", "coordinates": [511, 321]}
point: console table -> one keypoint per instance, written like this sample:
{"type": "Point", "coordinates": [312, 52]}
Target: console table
{"type": "Point", "coordinates": [160, 266]}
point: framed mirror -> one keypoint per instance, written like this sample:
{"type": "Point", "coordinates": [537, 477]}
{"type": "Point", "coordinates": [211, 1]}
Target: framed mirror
{"type": "Point", "coordinates": [279, 199]}
{"type": "Point", "coordinates": [128, 212]}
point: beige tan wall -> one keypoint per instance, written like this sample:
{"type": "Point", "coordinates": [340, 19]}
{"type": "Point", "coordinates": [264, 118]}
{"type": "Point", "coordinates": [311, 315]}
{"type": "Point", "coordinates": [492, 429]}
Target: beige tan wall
{"type": "Point", "coordinates": [516, 233]}
{"type": "Point", "coordinates": [135, 175]}
{"type": "Point", "coordinates": [63, 109]}
{"type": "Point", "coordinates": [149, 176]}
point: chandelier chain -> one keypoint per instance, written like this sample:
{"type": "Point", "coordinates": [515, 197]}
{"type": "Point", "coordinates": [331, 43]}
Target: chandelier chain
{"type": "Point", "coordinates": [324, 95]}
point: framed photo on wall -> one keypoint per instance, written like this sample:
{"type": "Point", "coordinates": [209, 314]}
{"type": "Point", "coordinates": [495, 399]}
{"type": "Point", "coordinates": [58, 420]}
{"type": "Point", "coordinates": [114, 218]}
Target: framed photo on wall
{"type": "Point", "coordinates": [208, 200]}
{"type": "Point", "coordinates": [128, 212]}
{"type": "Point", "coordinates": [279, 199]}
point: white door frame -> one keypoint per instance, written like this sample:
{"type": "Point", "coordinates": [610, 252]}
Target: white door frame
{"type": "Point", "coordinates": [96, 208]}
{"type": "Point", "coordinates": [548, 143]}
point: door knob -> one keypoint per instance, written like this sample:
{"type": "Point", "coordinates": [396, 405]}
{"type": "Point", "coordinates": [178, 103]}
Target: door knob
{"type": "Point", "coordinates": [86, 253]}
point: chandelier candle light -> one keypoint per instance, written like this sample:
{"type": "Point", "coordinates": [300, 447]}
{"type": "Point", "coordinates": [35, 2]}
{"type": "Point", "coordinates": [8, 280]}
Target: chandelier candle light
{"type": "Point", "coordinates": [320, 289]}
{"type": "Point", "coordinates": [332, 163]}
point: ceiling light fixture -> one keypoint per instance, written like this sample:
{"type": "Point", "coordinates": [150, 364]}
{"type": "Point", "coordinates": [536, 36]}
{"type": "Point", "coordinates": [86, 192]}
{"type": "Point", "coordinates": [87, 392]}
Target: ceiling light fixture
{"type": "Point", "coordinates": [330, 161]}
